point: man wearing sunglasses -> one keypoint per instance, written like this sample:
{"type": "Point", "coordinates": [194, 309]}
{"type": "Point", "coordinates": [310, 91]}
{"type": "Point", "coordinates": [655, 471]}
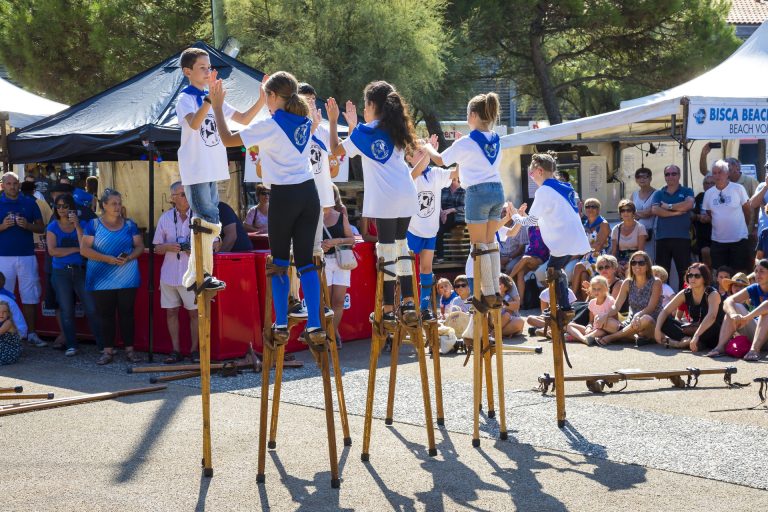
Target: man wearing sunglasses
{"type": "Point", "coordinates": [726, 206]}
{"type": "Point", "coordinates": [671, 205]}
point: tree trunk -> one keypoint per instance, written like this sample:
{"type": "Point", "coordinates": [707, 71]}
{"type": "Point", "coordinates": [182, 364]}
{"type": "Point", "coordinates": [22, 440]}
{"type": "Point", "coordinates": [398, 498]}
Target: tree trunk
{"type": "Point", "coordinates": [433, 127]}
{"type": "Point", "coordinates": [541, 71]}
{"type": "Point", "coordinates": [219, 23]}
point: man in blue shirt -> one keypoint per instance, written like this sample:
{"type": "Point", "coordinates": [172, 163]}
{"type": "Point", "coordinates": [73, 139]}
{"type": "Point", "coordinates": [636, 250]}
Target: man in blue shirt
{"type": "Point", "coordinates": [234, 238]}
{"type": "Point", "coordinates": [20, 217]}
{"type": "Point", "coordinates": [672, 205]}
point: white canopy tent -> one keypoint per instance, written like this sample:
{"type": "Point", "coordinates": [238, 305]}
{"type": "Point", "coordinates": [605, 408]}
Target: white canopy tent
{"type": "Point", "coordinates": [727, 102]}
{"type": "Point", "coordinates": [24, 108]}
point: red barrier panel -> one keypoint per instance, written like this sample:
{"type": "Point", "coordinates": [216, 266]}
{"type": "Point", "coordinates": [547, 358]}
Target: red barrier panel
{"type": "Point", "coordinates": [259, 242]}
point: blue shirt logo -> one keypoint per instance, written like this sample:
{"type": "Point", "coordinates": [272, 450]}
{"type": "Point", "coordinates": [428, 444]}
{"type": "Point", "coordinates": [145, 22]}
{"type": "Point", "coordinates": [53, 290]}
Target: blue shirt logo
{"type": "Point", "coordinates": [379, 149]}
{"type": "Point", "coordinates": [700, 116]}
{"type": "Point", "coordinates": [491, 150]}
{"type": "Point", "coordinates": [300, 135]}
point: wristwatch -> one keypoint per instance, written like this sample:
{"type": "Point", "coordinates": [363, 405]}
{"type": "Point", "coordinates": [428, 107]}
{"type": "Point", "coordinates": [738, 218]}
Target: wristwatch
{"type": "Point", "coordinates": [207, 99]}
{"type": "Point", "coordinates": [669, 207]}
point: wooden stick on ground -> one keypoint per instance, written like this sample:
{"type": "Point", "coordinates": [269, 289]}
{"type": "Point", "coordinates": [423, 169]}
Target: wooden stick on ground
{"type": "Point", "coordinates": [47, 396]}
{"type": "Point", "coordinates": [81, 399]}
{"type": "Point", "coordinates": [17, 389]}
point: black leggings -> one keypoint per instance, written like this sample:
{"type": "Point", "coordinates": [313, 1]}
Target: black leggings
{"type": "Point", "coordinates": [673, 328]}
{"type": "Point", "coordinates": [390, 230]}
{"type": "Point", "coordinates": [109, 303]}
{"type": "Point", "coordinates": [293, 214]}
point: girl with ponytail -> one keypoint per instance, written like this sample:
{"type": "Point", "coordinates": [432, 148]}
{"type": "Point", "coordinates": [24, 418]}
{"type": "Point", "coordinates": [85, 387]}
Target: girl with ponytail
{"type": "Point", "coordinates": [478, 160]}
{"type": "Point", "coordinates": [294, 209]}
{"type": "Point", "coordinates": [390, 194]}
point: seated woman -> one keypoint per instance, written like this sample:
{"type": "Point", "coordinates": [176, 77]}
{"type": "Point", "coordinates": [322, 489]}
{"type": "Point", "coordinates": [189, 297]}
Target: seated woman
{"type": "Point", "coordinates": [536, 253]}
{"type": "Point", "coordinates": [643, 292]}
{"type": "Point", "coordinates": [511, 321]}
{"type": "Point", "coordinates": [600, 304]}
{"type": "Point", "coordinates": [704, 309]}
{"type": "Point", "coordinates": [628, 236]}
{"type": "Point", "coordinates": [257, 217]}
{"type": "Point", "coordinates": [598, 233]}
{"type": "Point", "coordinates": [745, 313]}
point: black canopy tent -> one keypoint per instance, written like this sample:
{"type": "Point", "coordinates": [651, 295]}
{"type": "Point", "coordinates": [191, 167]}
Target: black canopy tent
{"type": "Point", "coordinates": [134, 120]}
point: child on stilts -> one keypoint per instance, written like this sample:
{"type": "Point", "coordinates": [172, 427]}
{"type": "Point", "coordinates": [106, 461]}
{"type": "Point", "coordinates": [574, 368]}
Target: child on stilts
{"type": "Point", "coordinates": [283, 142]}
{"type": "Point", "coordinates": [390, 194]}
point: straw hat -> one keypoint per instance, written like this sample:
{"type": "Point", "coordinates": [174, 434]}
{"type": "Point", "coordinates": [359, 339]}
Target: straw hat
{"type": "Point", "coordinates": [740, 278]}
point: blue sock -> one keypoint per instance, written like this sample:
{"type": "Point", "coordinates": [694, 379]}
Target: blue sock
{"type": "Point", "coordinates": [281, 287]}
{"type": "Point", "coordinates": [425, 292]}
{"type": "Point", "coordinates": [310, 285]}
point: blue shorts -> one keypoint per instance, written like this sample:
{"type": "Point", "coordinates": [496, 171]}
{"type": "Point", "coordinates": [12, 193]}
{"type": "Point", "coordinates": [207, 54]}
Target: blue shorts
{"type": "Point", "coordinates": [483, 202]}
{"type": "Point", "coordinates": [418, 244]}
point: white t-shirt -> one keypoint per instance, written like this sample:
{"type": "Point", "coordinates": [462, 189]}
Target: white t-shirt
{"type": "Point", "coordinates": [281, 162]}
{"type": "Point", "coordinates": [667, 293]}
{"type": "Point", "coordinates": [474, 167]}
{"type": "Point", "coordinates": [650, 222]}
{"type": "Point", "coordinates": [321, 167]}
{"type": "Point", "coordinates": [544, 296]}
{"type": "Point", "coordinates": [389, 189]}
{"type": "Point", "coordinates": [728, 224]}
{"type": "Point", "coordinates": [501, 236]}
{"type": "Point", "coordinates": [560, 226]}
{"type": "Point", "coordinates": [426, 222]}
{"type": "Point", "coordinates": [202, 156]}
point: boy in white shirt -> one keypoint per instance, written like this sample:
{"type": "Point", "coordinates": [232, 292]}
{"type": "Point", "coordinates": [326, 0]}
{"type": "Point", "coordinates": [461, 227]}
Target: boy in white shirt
{"type": "Point", "coordinates": [202, 157]}
{"type": "Point", "coordinates": [555, 211]}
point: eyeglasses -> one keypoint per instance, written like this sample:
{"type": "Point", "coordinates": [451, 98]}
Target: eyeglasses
{"type": "Point", "coordinates": [667, 174]}
{"type": "Point", "coordinates": [591, 206]}
{"type": "Point", "coordinates": [603, 267]}
{"type": "Point", "coordinates": [637, 263]}
{"type": "Point", "coordinates": [62, 207]}
{"type": "Point", "coordinates": [626, 210]}
{"type": "Point", "coordinates": [691, 275]}
{"type": "Point", "coordinates": [461, 285]}
{"type": "Point", "coordinates": [264, 194]}
{"type": "Point", "coordinates": [180, 194]}
{"type": "Point", "coordinates": [721, 198]}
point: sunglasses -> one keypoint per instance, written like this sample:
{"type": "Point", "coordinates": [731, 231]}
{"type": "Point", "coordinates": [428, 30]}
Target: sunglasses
{"type": "Point", "coordinates": [667, 174]}
{"type": "Point", "coordinates": [603, 267]}
{"type": "Point", "coordinates": [591, 206]}
{"type": "Point", "coordinates": [264, 194]}
{"type": "Point", "coordinates": [626, 210]}
{"type": "Point", "coordinates": [721, 198]}
{"type": "Point", "coordinates": [62, 207]}
{"type": "Point", "coordinates": [691, 275]}
{"type": "Point", "coordinates": [461, 285]}
{"type": "Point", "coordinates": [637, 263]}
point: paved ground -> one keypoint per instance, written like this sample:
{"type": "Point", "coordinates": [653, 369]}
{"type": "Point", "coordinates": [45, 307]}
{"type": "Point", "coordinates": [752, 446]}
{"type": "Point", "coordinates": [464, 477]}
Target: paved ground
{"type": "Point", "coordinates": [650, 446]}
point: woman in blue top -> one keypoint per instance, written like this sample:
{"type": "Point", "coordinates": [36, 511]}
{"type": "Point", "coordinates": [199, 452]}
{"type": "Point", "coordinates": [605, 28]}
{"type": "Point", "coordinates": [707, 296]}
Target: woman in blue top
{"type": "Point", "coordinates": [112, 245]}
{"type": "Point", "coordinates": [63, 236]}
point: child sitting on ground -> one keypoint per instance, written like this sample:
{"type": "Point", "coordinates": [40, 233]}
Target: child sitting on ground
{"type": "Point", "coordinates": [457, 312]}
{"type": "Point", "coordinates": [599, 324]}
{"type": "Point", "coordinates": [666, 291]}
{"type": "Point", "coordinates": [10, 342]}
{"type": "Point", "coordinates": [447, 294]}
{"type": "Point", "coordinates": [536, 322]}
{"type": "Point", "coordinates": [511, 321]}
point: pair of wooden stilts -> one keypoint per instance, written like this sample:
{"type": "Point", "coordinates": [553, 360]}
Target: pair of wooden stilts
{"type": "Point", "coordinates": [321, 356]}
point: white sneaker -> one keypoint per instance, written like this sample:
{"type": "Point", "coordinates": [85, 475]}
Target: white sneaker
{"type": "Point", "coordinates": [71, 352]}
{"type": "Point", "coordinates": [34, 339]}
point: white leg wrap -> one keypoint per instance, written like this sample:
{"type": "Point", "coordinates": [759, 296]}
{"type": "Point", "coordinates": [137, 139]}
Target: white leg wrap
{"type": "Point", "coordinates": [469, 332]}
{"type": "Point", "coordinates": [207, 243]}
{"type": "Point", "coordinates": [389, 253]}
{"type": "Point", "coordinates": [486, 271]}
{"type": "Point", "coordinates": [404, 266]}
{"type": "Point", "coordinates": [190, 276]}
{"type": "Point", "coordinates": [495, 265]}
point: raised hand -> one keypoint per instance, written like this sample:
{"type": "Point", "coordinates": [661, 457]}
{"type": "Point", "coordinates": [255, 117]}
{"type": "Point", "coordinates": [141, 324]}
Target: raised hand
{"type": "Point", "coordinates": [434, 141]}
{"type": "Point", "coordinates": [217, 93]}
{"type": "Point", "coordinates": [350, 114]}
{"type": "Point", "coordinates": [212, 78]}
{"type": "Point", "coordinates": [333, 110]}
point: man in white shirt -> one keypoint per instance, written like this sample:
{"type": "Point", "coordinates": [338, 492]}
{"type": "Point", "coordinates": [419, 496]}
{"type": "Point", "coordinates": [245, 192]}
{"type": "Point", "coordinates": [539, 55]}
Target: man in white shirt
{"type": "Point", "coordinates": [726, 206]}
{"type": "Point", "coordinates": [172, 239]}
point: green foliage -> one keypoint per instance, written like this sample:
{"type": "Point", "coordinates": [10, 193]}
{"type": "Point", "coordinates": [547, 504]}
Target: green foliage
{"type": "Point", "coordinates": [69, 50]}
{"type": "Point", "coordinates": [341, 46]}
{"type": "Point", "coordinates": [586, 55]}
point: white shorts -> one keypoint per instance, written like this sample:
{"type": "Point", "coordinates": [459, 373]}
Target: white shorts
{"type": "Point", "coordinates": [23, 268]}
{"type": "Point", "coordinates": [335, 275]}
{"type": "Point", "coordinates": [174, 296]}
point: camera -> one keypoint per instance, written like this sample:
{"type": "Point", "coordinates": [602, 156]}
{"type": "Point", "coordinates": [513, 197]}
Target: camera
{"type": "Point", "coordinates": [185, 246]}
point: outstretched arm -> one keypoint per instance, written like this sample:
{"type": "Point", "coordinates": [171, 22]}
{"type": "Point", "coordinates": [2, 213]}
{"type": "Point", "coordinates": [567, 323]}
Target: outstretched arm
{"type": "Point", "coordinates": [217, 95]}
{"type": "Point", "coordinates": [247, 116]}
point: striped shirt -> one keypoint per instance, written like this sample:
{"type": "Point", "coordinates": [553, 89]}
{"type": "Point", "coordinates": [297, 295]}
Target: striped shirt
{"type": "Point", "coordinates": [104, 276]}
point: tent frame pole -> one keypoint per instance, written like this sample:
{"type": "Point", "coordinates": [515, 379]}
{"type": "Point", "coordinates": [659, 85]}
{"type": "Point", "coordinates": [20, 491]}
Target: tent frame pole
{"type": "Point", "coordinates": [150, 236]}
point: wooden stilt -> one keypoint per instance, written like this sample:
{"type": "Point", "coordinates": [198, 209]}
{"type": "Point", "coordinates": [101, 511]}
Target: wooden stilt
{"type": "Point", "coordinates": [486, 362]}
{"type": "Point", "coordinates": [496, 314]}
{"type": "Point", "coordinates": [204, 336]}
{"type": "Point", "coordinates": [434, 340]}
{"type": "Point", "coordinates": [557, 329]}
{"type": "Point", "coordinates": [322, 358]}
{"type": "Point", "coordinates": [477, 354]}
{"type": "Point", "coordinates": [377, 340]}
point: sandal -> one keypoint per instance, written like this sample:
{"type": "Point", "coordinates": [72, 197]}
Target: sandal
{"type": "Point", "coordinates": [194, 356]}
{"type": "Point", "coordinates": [599, 342]}
{"type": "Point", "coordinates": [132, 357]}
{"type": "Point", "coordinates": [105, 358]}
{"type": "Point", "coordinates": [752, 355]}
{"type": "Point", "coordinates": [173, 358]}
{"type": "Point", "coordinates": [713, 353]}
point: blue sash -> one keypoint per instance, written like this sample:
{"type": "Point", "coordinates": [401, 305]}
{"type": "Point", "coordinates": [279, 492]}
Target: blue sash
{"type": "Point", "coordinates": [490, 147]}
{"type": "Point", "coordinates": [8, 294]}
{"type": "Point", "coordinates": [319, 143]}
{"type": "Point", "coordinates": [296, 128]}
{"type": "Point", "coordinates": [565, 190]}
{"type": "Point", "coordinates": [426, 172]}
{"type": "Point", "coordinates": [599, 220]}
{"type": "Point", "coordinates": [197, 93]}
{"type": "Point", "coordinates": [372, 142]}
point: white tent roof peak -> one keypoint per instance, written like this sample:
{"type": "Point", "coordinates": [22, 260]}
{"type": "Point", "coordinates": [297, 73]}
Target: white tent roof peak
{"type": "Point", "coordinates": [742, 75]}
{"type": "Point", "coordinates": [23, 106]}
